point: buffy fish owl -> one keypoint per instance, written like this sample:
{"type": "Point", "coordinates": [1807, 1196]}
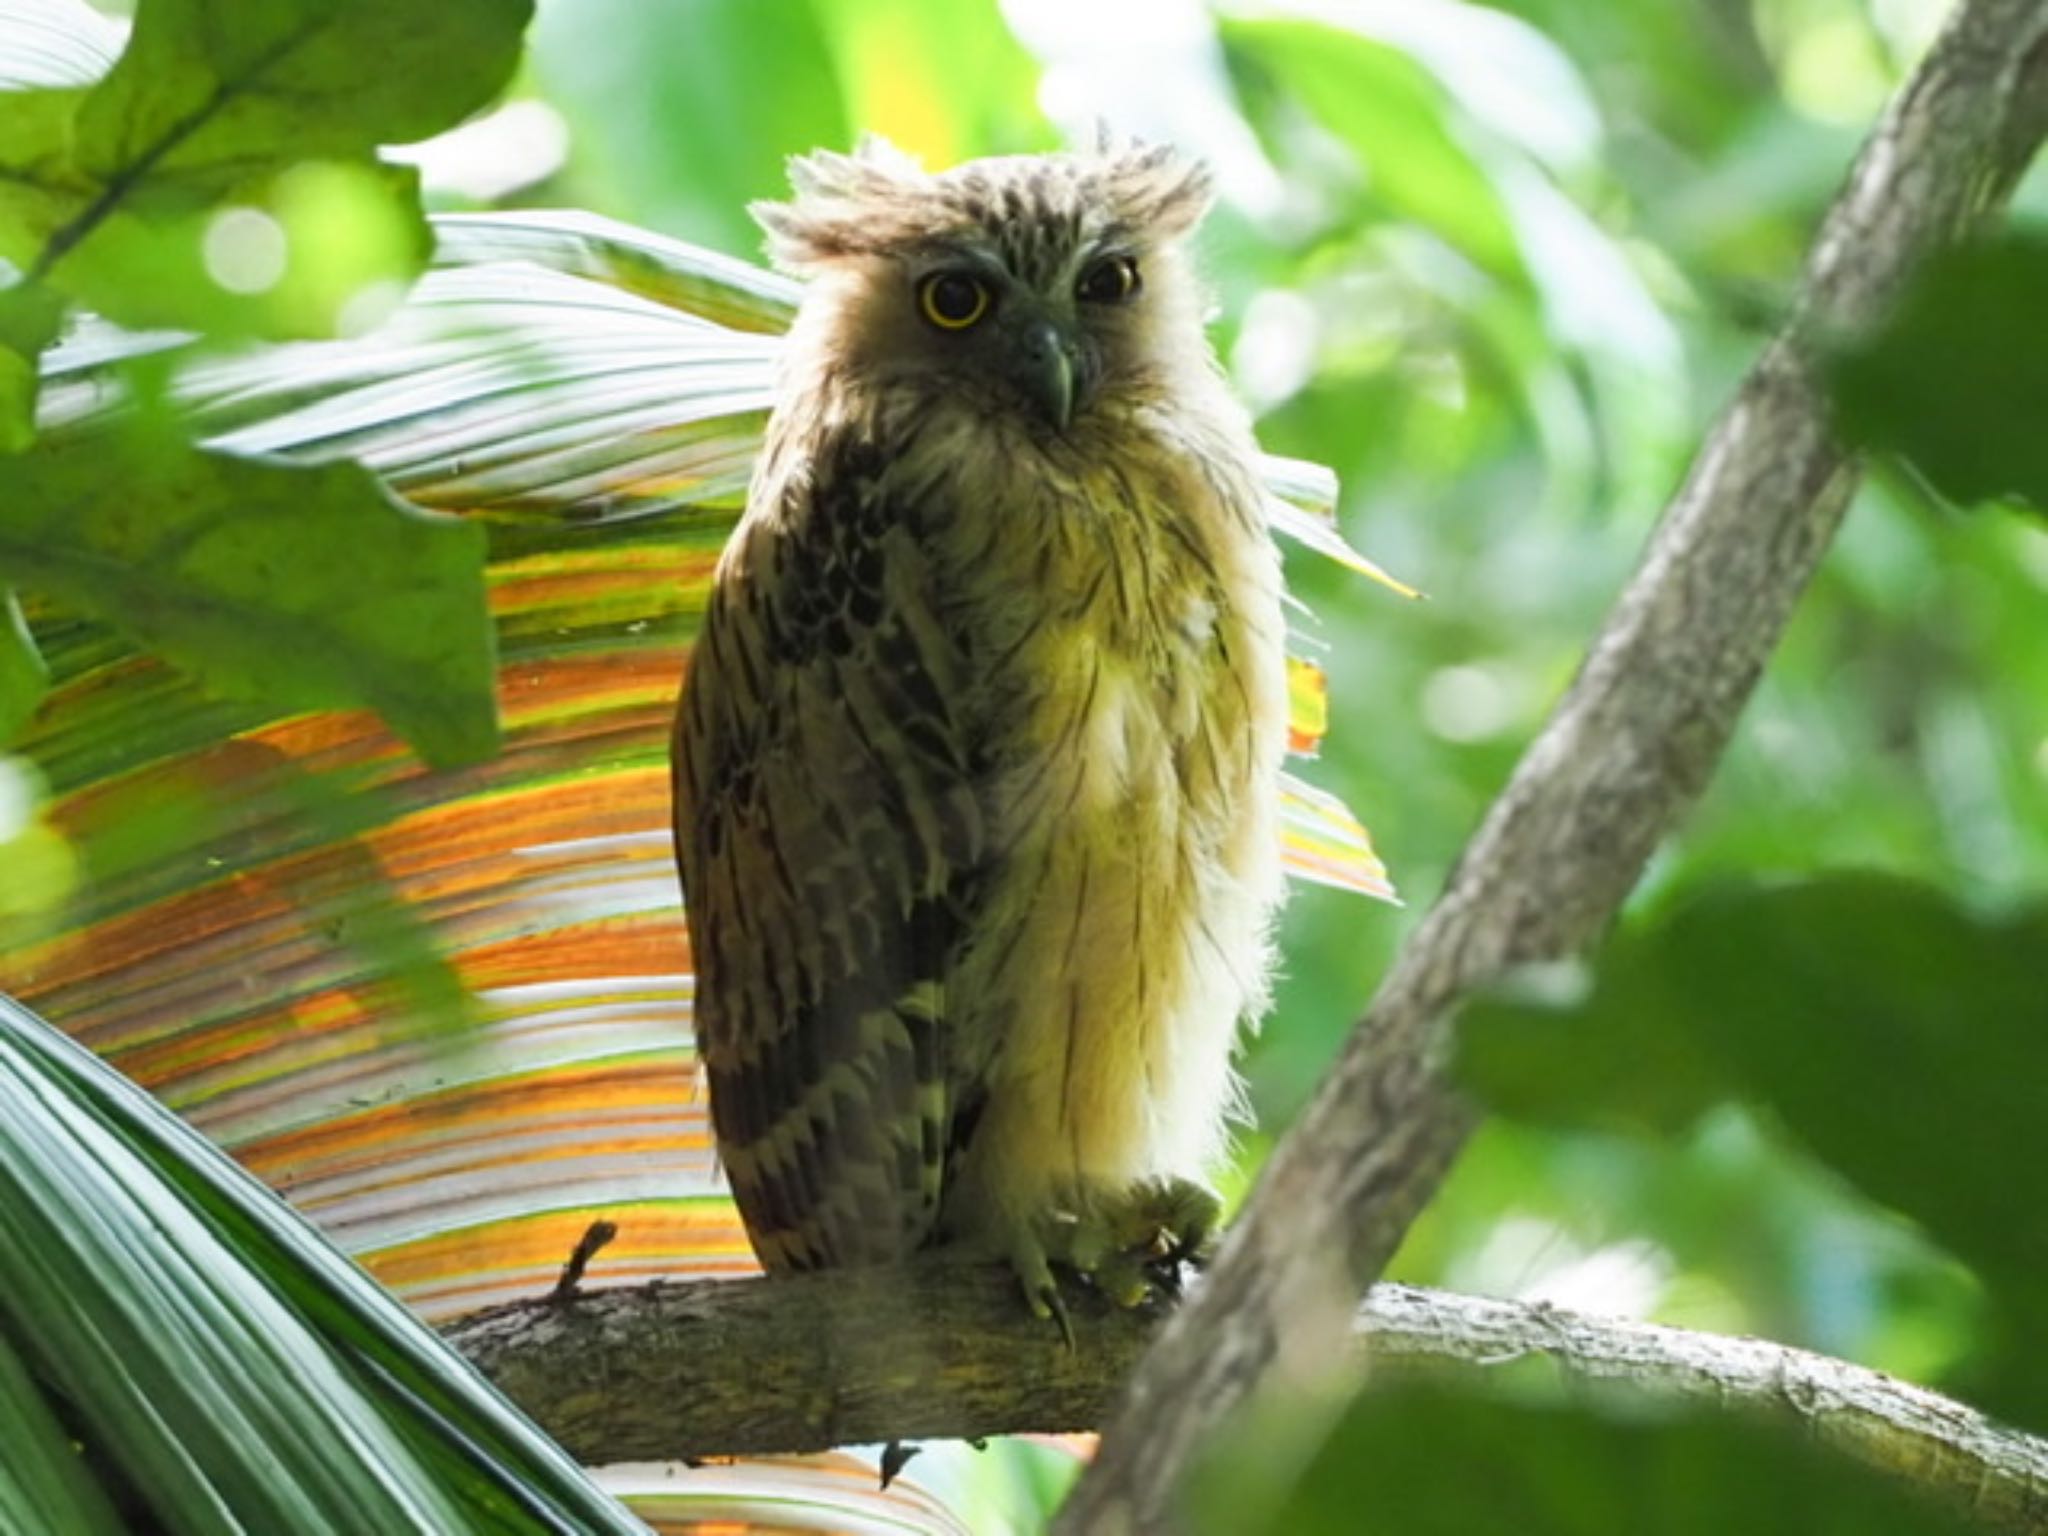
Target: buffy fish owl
{"type": "Point", "coordinates": [977, 762]}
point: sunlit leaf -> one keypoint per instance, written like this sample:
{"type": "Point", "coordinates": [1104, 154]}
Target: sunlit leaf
{"type": "Point", "coordinates": [288, 254]}
{"type": "Point", "coordinates": [1325, 843]}
{"type": "Point", "coordinates": [688, 278]}
{"type": "Point", "coordinates": [345, 598]}
{"type": "Point", "coordinates": [125, 194]}
{"type": "Point", "coordinates": [205, 88]}
{"type": "Point", "coordinates": [40, 188]}
{"type": "Point", "coordinates": [1303, 506]}
{"type": "Point", "coordinates": [836, 1493]}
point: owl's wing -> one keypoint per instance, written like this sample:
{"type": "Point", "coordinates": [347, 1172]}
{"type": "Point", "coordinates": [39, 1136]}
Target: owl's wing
{"type": "Point", "coordinates": [829, 832]}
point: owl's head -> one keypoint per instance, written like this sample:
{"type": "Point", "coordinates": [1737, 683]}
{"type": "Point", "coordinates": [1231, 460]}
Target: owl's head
{"type": "Point", "coordinates": [1044, 285]}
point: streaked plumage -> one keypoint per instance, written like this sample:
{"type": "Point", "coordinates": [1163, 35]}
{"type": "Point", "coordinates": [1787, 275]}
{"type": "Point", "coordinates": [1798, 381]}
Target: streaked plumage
{"type": "Point", "coordinates": [977, 761]}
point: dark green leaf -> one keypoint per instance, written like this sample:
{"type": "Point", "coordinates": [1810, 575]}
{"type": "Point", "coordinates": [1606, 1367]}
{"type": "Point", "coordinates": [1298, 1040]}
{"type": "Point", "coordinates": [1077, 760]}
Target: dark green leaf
{"type": "Point", "coordinates": [240, 1372]}
{"type": "Point", "coordinates": [1955, 380]}
{"type": "Point", "coordinates": [1419, 1462]}
{"type": "Point", "coordinates": [41, 189]}
{"type": "Point", "coordinates": [1900, 1037]}
{"type": "Point", "coordinates": [1612, 1054]}
{"type": "Point", "coordinates": [306, 584]}
{"type": "Point", "coordinates": [23, 676]}
{"type": "Point", "coordinates": [1905, 1041]}
{"type": "Point", "coordinates": [206, 88]}
{"type": "Point", "coordinates": [44, 1485]}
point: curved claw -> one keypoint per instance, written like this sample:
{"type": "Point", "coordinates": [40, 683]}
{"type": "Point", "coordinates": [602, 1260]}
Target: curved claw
{"type": "Point", "coordinates": [1048, 1305]}
{"type": "Point", "coordinates": [1041, 1291]}
{"type": "Point", "coordinates": [895, 1457]}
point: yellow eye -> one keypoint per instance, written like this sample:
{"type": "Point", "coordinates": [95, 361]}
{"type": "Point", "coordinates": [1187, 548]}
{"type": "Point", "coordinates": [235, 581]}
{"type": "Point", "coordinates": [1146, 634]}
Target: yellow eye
{"type": "Point", "coordinates": [953, 300]}
{"type": "Point", "coordinates": [1110, 281]}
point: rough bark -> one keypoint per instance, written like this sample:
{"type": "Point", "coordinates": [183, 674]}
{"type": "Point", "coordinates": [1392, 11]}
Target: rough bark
{"type": "Point", "coordinates": [1952, 1452]}
{"type": "Point", "coordinates": [1621, 759]}
{"type": "Point", "coordinates": [943, 1350]}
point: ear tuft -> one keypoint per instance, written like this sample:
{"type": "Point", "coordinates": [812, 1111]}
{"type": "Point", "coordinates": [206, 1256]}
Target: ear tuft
{"type": "Point", "coordinates": [836, 200]}
{"type": "Point", "coordinates": [1162, 193]}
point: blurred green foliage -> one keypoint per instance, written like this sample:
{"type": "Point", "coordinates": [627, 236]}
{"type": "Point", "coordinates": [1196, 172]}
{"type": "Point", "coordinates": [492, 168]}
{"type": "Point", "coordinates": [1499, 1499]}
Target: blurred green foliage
{"type": "Point", "coordinates": [1423, 1462]}
{"type": "Point", "coordinates": [1900, 1037]}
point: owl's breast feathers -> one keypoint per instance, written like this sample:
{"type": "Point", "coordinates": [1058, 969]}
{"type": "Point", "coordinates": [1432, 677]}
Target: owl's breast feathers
{"type": "Point", "coordinates": [976, 774]}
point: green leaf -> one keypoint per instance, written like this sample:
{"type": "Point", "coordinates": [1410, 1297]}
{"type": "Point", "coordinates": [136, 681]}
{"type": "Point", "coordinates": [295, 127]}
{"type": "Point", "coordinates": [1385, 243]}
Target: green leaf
{"type": "Point", "coordinates": [222, 176]}
{"type": "Point", "coordinates": [1902, 1038]}
{"type": "Point", "coordinates": [1402, 1462]}
{"type": "Point", "coordinates": [41, 188]}
{"type": "Point", "coordinates": [206, 88]}
{"type": "Point", "coordinates": [43, 1482]}
{"type": "Point", "coordinates": [282, 258]}
{"type": "Point", "coordinates": [23, 676]}
{"type": "Point", "coordinates": [237, 1370]}
{"type": "Point", "coordinates": [1945, 380]}
{"type": "Point", "coordinates": [309, 585]}
{"type": "Point", "coordinates": [1606, 1050]}
{"type": "Point", "coordinates": [30, 318]}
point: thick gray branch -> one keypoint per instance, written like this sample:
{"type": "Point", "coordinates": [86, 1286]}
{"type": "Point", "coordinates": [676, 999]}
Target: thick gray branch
{"type": "Point", "coordinates": [1619, 762]}
{"type": "Point", "coordinates": [944, 1350]}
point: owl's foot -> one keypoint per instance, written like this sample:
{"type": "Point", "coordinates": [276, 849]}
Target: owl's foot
{"type": "Point", "coordinates": [1127, 1246]}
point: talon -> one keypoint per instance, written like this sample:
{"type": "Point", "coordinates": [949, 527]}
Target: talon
{"type": "Point", "coordinates": [895, 1457]}
{"type": "Point", "coordinates": [1053, 1305]}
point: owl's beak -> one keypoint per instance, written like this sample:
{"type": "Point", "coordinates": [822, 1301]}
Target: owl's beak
{"type": "Point", "coordinates": [1046, 372]}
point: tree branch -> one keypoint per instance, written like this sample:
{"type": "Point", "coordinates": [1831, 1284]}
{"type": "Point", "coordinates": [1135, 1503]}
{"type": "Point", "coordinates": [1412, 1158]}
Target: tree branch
{"type": "Point", "coordinates": [942, 1349]}
{"type": "Point", "coordinates": [1996, 1475]}
{"type": "Point", "coordinates": [1622, 758]}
